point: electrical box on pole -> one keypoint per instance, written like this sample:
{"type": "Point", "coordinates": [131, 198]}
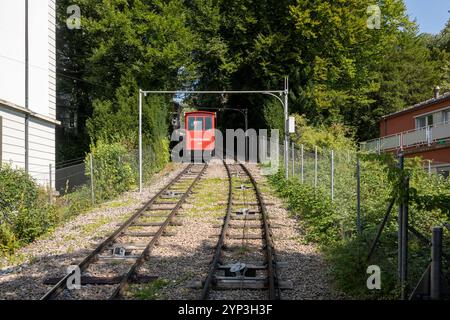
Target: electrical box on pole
{"type": "Point", "coordinates": [291, 124]}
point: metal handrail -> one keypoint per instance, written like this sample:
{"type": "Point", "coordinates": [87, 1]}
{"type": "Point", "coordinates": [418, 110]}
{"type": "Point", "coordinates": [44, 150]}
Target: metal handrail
{"type": "Point", "coordinates": [429, 138]}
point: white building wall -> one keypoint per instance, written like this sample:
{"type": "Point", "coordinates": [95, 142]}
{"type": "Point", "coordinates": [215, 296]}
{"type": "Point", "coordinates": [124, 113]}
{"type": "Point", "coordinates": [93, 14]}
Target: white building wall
{"type": "Point", "coordinates": [13, 137]}
{"type": "Point", "coordinates": [41, 150]}
{"type": "Point", "coordinates": [42, 85]}
{"type": "Point", "coordinates": [51, 13]}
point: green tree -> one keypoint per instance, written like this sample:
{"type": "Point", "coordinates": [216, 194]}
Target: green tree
{"type": "Point", "coordinates": [124, 45]}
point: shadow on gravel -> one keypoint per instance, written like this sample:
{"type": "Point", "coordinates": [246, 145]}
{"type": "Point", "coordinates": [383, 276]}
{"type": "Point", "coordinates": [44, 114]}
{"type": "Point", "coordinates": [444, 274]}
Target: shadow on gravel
{"type": "Point", "coordinates": [176, 274]}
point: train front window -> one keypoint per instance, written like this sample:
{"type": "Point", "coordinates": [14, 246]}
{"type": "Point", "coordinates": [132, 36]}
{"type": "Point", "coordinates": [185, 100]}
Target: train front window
{"type": "Point", "coordinates": [208, 123]}
{"type": "Point", "coordinates": [191, 121]}
{"type": "Point", "coordinates": [198, 124]}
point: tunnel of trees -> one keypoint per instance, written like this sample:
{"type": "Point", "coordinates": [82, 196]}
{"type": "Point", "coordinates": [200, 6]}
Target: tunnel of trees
{"type": "Point", "coordinates": [340, 70]}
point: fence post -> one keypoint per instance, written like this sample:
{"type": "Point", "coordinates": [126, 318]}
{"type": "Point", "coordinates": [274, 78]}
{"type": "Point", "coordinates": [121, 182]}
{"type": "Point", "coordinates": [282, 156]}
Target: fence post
{"type": "Point", "coordinates": [405, 223]}
{"type": "Point", "coordinates": [358, 196]}
{"type": "Point", "coordinates": [293, 160]}
{"type": "Point", "coordinates": [91, 161]}
{"type": "Point", "coordinates": [302, 164]}
{"type": "Point", "coordinates": [436, 263]}
{"type": "Point", "coordinates": [400, 224]}
{"type": "Point", "coordinates": [50, 191]}
{"type": "Point", "coordinates": [429, 167]}
{"type": "Point", "coordinates": [332, 175]}
{"type": "Point", "coordinates": [315, 167]}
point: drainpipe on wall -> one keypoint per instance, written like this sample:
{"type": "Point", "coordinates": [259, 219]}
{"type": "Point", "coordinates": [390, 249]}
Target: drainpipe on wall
{"type": "Point", "coordinates": [27, 118]}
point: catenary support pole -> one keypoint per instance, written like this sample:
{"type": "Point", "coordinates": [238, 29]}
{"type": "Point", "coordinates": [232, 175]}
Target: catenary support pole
{"type": "Point", "coordinates": [278, 94]}
{"type": "Point", "coordinates": [286, 127]}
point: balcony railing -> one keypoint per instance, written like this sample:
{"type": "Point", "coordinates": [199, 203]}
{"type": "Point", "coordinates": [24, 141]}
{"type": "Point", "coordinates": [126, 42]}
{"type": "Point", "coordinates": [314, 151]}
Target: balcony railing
{"type": "Point", "coordinates": [417, 137]}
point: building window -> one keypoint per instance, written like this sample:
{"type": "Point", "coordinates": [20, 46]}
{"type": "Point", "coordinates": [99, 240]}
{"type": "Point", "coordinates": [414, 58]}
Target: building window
{"type": "Point", "coordinates": [446, 116]}
{"type": "Point", "coordinates": [424, 121]}
{"type": "Point", "coordinates": [444, 171]}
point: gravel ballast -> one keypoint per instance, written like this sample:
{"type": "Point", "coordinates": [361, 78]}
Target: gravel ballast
{"type": "Point", "coordinates": [50, 255]}
{"type": "Point", "coordinates": [184, 260]}
{"type": "Point", "coordinates": [179, 260]}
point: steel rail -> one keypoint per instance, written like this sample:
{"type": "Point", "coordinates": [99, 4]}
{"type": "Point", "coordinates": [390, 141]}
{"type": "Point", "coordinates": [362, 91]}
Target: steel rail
{"type": "Point", "coordinates": [92, 256]}
{"type": "Point", "coordinates": [274, 292]}
{"type": "Point", "coordinates": [218, 251]}
{"type": "Point", "coordinates": [147, 251]}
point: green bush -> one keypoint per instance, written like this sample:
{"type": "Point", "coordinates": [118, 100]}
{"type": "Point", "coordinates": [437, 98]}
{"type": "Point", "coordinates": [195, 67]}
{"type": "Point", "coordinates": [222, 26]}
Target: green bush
{"type": "Point", "coordinates": [113, 169]}
{"type": "Point", "coordinates": [17, 190]}
{"type": "Point", "coordinates": [25, 211]}
{"type": "Point", "coordinates": [313, 206]}
{"type": "Point", "coordinates": [74, 203]}
{"type": "Point", "coordinates": [332, 224]}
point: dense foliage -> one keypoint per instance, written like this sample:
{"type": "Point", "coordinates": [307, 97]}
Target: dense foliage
{"type": "Point", "coordinates": [120, 47]}
{"type": "Point", "coordinates": [113, 169]}
{"type": "Point", "coordinates": [341, 71]}
{"type": "Point", "coordinates": [332, 224]}
{"type": "Point", "coordinates": [24, 210]}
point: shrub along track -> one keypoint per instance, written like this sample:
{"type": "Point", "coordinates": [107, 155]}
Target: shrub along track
{"type": "Point", "coordinates": [133, 241]}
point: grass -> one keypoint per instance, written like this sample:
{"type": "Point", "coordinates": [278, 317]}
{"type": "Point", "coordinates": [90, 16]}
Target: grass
{"type": "Point", "coordinates": [118, 204]}
{"type": "Point", "coordinates": [92, 227]}
{"type": "Point", "coordinates": [205, 199]}
{"type": "Point", "coordinates": [151, 291]}
{"type": "Point", "coordinates": [241, 251]}
{"type": "Point", "coordinates": [12, 259]}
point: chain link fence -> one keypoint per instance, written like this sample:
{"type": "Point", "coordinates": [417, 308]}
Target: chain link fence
{"type": "Point", "coordinates": [101, 177]}
{"type": "Point", "coordinates": [357, 185]}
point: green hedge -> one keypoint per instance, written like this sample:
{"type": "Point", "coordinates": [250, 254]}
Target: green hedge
{"type": "Point", "coordinates": [114, 169]}
{"type": "Point", "coordinates": [332, 225]}
{"type": "Point", "coordinates": [25, 213]}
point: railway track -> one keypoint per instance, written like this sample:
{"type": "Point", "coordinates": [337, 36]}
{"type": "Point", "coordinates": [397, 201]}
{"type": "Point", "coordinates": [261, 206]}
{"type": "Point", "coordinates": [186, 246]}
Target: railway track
{"type": "Point", "coordinates": [246, 223]}
{"type": "Point", "coordinates": [124, 251]}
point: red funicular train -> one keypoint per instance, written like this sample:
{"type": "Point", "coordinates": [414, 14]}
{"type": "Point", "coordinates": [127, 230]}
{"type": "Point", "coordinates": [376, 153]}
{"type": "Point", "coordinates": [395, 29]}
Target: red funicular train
{"type": "Point", "coordinates": [199, 126]}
